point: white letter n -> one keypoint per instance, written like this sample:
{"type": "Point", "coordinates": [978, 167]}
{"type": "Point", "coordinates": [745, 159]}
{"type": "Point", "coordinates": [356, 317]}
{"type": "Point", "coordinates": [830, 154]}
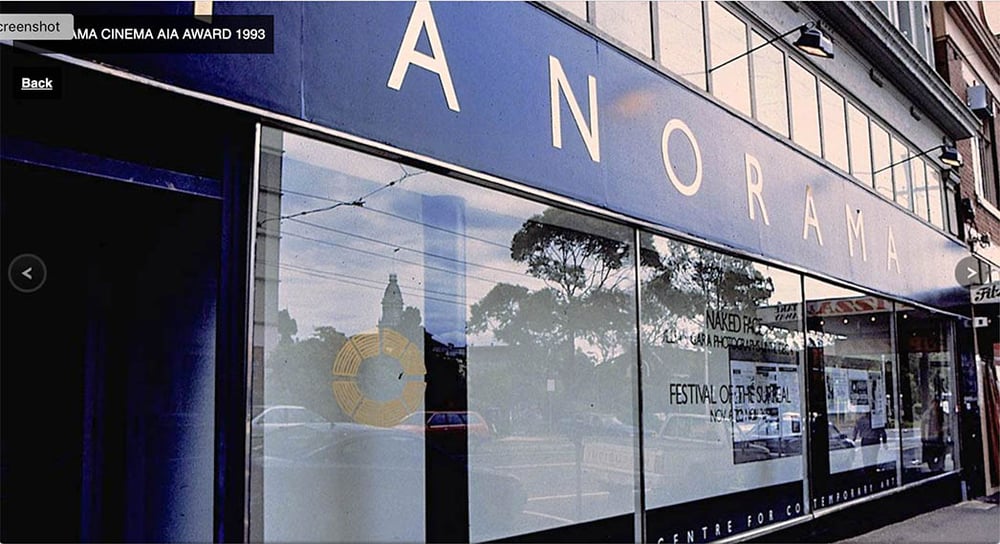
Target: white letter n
{"type": "Point", "coordinates": [559, 82]}
{"type": "Point", "coordinates": [422, 17]}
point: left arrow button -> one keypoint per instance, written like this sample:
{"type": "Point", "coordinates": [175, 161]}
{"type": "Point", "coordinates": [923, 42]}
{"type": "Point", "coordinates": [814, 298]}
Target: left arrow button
{"type": "Point", "coordinates": [27, 273]}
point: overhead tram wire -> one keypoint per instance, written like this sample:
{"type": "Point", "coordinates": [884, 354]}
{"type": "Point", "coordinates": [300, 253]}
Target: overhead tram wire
{"type": "Point", "coordinates": [357, 282]}
{"type": "Point", "coordinates": [412, 263]}
{"type": "Point", "coordinates": [358, 202]}
{"type": "Point", "coordinates": [404, 218]}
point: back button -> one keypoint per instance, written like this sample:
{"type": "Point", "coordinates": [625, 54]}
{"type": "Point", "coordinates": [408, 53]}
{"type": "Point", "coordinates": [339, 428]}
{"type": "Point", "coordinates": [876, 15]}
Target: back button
{"type": "Point", "coordinates": [27, 273]}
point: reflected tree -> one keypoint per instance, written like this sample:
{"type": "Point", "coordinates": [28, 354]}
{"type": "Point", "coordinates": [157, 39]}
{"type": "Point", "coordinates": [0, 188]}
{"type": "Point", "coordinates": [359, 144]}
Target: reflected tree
{"type": "Point", "coordinates": [584, 263]}
{"type": "Point", "coordinates": [688, 280]}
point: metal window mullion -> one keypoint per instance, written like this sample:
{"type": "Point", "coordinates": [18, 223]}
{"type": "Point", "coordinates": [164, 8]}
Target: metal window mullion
{"type": "Point", "coordinates": [639, 473]}
{"type": "Point", "coordinates": [751, 79]}
{"type": "Point", "coordinates": [897, 392]}
{"type": "Point", "coordinates": [805, 416]}
{"type": "Point", "coordinates": [707, 44]}
{"type": "Point", "coordinates": [956, 450]}
{"type": "Point", "coordinates": [654, 32]}
{"type": "Point", "coordinates": [819, 115]}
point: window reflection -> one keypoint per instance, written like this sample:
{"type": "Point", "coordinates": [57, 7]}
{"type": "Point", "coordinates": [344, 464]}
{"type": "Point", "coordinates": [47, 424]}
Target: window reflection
{"type": "Point", "coordinates": [861, 148]}
{"type": "Point", "coordinates": [551, 360]}
{"type": "Point", "coordinates": [881, 159]}
{"type": "Point", "coordinates": [834, 127]}
{"type": "Point", "coordinates": [901, 173]}
{"type": "Point", "coordinates": [927, 402]}
{"type": "Point", "coordinates": [721, 371]}
{"type": "Point", "coordinates": [681, 37]}
{"type": "Point", "coordinates": [935, 197]}
{"type": "Point", "coordinates": [851, 349]}
{"type": "Point", "coordinates": [629, 22]}
{"type": "Point", "coordinates": [805, 108]}
{"type": "Point", "coordinates": [728, 34]}
{"type": "Point", "coordinates": [769, 85]}
{"type": "Point", "coordinates": [419, 341]}
{"type": "Point", "coordinates": [920, 188]}
{"type": "Point", "coordinates": [576, 7]}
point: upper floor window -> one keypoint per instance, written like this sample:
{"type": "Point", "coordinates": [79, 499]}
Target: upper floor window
{"type": "Point", "coordinates": [834, 127]}
{"type": "Point", "coordinates": [728, 38]}
{"type": "Point", "coordinates": [629, 22]}
{"type": "Point", "coordinates": [805, 107]}
{"type": "Point", "coordinates": [861, 159]}
{"type": "Point", "coordinates": [770, 100]}
{"type": "Point", "coordinates": [913, 19]}
{"type": "Point", "coordinates": [682, 39]}
{"type": "Point", "coordinates": [989, 181]}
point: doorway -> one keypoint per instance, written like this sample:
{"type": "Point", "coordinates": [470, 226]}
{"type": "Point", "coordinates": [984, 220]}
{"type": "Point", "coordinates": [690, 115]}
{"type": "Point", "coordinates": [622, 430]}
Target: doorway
{"type": "Point", "coordinates": [108, 375]}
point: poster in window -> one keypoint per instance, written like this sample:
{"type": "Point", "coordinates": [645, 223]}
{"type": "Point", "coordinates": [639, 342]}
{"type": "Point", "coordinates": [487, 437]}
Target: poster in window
{"type": "Point", "coordinates": [878, 397]}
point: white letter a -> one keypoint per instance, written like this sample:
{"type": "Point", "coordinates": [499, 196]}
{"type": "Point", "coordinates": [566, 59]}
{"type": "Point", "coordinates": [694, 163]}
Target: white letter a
{"type": "Point", "coordinates": [422, 17]}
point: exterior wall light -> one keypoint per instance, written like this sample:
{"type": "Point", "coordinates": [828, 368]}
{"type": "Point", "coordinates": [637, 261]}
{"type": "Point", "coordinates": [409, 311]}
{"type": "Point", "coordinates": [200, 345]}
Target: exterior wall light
{"type": "Point", "coordinates": [811, 41]}
{"type": "Point", "coordinates": [814, 42]}
{"type": "Point", "coordinates": [949, 156]}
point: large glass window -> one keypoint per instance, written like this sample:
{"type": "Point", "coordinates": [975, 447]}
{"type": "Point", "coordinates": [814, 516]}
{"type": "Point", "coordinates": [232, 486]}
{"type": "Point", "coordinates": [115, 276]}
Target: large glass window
{"type": "Point", "coordinates": [629, 22]}
{"type": "Point", "coordinates": [721, 345]}
{"type": "Point", "coordinates": [805, 108]}
{"type": "Point", "coordinates": [920, 188]}
{"type": "Point", "coordinates": [851, 360]}
{"type": "Point", "coordinates": [927, 400]}
{"type": "Point", "coordinates": [950, 205]}
{"type": "Point", "coordinates": [861, 148]}
{"type": "Point", "coordinates": [901, 174]}
{"type": "Point", "coordinates": [834, 127]}
{"type": "Point", "coordinates": [987, 158]}
{"type": "Point", "coordinates": [728, 34]}
{"type": "Point", "coordinates": [432, 356]}
{"type": "Point", "coordinates": [935, 196]}
{"type": "Point", "coordinates": [576, 7]}
{"type": "Point", "coordinates": [881, 160]}
{"type": "Point", "coordinates": [682, 39]}
{"type": "Point", "coordinates": [770, 98]}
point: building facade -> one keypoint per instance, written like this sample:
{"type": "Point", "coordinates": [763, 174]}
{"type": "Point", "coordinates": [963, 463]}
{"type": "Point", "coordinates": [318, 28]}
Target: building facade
{"type": "Point", "coordinates": [622, 271]}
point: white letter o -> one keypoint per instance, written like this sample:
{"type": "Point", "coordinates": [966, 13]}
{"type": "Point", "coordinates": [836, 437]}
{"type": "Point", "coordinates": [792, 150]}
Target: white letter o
{"type": "Point", "coordinates": [671, 126]}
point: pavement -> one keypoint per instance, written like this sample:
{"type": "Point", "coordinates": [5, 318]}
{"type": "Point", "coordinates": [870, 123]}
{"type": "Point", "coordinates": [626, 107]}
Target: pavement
{"type": "Point", "coordinates": [970, 522]}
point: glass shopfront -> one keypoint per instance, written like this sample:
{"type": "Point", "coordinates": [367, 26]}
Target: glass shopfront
{"type": "Point", "coordinates": [854, 430]}
{"type": "Point", "coordinates": [435, 359]}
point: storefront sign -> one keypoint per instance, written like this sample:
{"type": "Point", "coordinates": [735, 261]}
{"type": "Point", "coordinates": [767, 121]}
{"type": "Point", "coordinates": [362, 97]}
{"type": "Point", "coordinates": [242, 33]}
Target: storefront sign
{"type": "Point", "coordinates": [986, 294]}
{"type": "Point", "coordinates": [507, 90]}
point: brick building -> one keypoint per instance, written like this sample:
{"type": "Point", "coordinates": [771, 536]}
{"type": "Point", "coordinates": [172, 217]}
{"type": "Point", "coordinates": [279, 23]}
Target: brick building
{"type": "Point", "coordinates": [967, 55]}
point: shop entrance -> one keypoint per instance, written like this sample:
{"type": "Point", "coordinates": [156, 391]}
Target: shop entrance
{"type": "Point", "coordinates": [109, 366]}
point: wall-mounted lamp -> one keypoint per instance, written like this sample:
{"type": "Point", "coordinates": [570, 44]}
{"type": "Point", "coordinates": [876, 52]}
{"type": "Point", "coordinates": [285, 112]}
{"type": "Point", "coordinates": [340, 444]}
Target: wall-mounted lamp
{"type": "Point", "coordinates": [811, 41]}
{"type": "Point", "coordinates": [949, 155]}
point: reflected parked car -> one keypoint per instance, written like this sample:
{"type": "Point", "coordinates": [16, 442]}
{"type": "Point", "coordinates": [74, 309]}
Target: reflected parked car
{"type": "Point", "coordinates": [275, 418]}
{"type": "Point", "coordinates": [785, 439]}
{"type": "Point", "coordinates": [284, 429]}
{"type": "Point", "coordinates": [369, 484]}
{"type": "Point", "coordinates": [445, 423]}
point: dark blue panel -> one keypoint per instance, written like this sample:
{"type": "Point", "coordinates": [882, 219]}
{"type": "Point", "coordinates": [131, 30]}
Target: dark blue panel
{"type": "Point", "coordinates": [498, 59]}
{"type": "Point", "coordinates": [332, 63]}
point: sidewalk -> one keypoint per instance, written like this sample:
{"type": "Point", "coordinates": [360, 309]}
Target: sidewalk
{"type": "Point", "coordinates": [974, 521]}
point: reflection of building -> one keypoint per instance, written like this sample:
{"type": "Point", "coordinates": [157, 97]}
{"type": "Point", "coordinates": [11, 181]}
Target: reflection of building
{"type": "Point", "coordinates": [392, 305]}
